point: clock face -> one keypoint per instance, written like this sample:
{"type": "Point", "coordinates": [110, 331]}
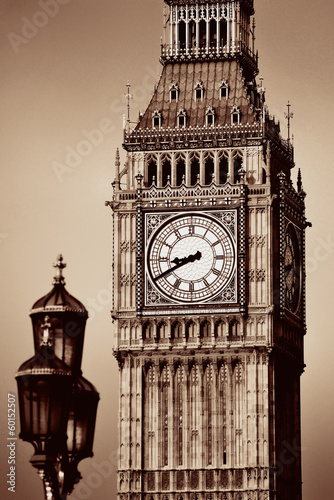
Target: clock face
{"type": "Point", "coordinates": [291, 269]}
{"type": "Point", "coordinates": [191, 258]}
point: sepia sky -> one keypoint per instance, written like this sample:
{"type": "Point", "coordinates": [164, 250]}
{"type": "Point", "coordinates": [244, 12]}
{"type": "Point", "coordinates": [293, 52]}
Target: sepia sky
{"type": "Point", "coordinates": [64, 71]}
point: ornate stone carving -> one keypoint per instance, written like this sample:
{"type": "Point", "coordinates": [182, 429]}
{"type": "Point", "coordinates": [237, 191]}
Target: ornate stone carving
{"type": "Point", "coordinates": [251, 241]}
{"type": "Point", "coordinates": [124, 279]}
{"type": "Point", "coordinates": [251, 275]}
{"type": "Point", "coordinates": [260, 241]}
{"type": "Point", "coordinates": [260, 275]}
{"type": "Point", "coordinates": [124, 246]}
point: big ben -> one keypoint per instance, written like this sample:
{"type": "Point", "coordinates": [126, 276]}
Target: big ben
{"type": "Point", "coordinates": [208, 275]}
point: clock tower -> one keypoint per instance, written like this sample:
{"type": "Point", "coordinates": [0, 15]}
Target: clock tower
{"type": "Point", "coordinates": [208, 275]}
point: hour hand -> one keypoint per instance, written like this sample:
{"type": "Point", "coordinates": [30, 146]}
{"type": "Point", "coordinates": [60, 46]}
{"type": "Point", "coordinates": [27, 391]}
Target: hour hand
{"type": "Point", "coordinates": [178, 263]}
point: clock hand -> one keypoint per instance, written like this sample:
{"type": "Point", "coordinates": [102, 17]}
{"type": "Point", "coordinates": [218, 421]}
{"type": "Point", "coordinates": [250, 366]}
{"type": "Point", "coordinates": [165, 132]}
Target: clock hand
{"type": "Point", "coordinates": [178, 263]}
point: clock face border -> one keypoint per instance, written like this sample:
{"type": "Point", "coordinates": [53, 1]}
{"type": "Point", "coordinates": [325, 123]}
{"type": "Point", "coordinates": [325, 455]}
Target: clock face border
{"type": "Point", "coordinates": [225, 292]}
{"type": "Point", "coordinates": [292, 285]}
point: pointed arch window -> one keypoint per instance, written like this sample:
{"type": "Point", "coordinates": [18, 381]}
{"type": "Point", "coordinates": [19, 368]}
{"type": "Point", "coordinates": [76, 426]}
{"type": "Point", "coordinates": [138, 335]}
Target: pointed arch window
{"type": "Point", "coordinates": [192, 33]}
{"type": "Point", "coordinates": [235, 115]}
{"type": "Point", "coordinates": [181, 118]}
{"type": "Point", "coordinates": [182, 34]}
{"type": "Point", "coordinates": [237, 166]}
{"type": "Point", "coordinates": [198, 91]}
{"type": "Point", "coordinates": [151, 171]}
{"type": "Point", "coordinates": [166, 171]}
{"type": "Point", "coordinates": [209, 170]}
{"type": "Point", "coordinates": [223, 90]}
{"type": "Point", "coordinates": [213, 33]}
{"type": "Point", "coordinates": [210, 116]}
{"type": "Point", "coordinates": [223, 169]}
{"type": "Point", "coordinates": [223, 32]}
{"type": "Point", "coordinates": [202, 33]}
{"type": "Point", "coordinates": [156, 119]}
{"type": "Point", "coordinates": [194, 170]}
{"type": "Point", "coordinates": [174, 92]}
{"type": "Point", "coordinates": [180, 171]}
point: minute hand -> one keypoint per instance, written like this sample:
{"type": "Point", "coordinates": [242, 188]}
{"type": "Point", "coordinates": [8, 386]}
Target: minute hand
{"type": "Point", "coordinates": [179, 263]}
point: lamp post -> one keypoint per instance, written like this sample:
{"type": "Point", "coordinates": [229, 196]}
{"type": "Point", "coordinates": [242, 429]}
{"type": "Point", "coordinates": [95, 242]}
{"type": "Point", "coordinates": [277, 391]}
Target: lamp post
{"type": "Point", "coordinates": [57, 405]}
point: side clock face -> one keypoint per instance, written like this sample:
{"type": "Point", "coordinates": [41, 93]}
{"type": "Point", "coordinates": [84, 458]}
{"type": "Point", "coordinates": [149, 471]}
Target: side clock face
{"type": "Point", "coordinates": [191, 258]}
{"type": "Point", "coordinates": [291, 269]}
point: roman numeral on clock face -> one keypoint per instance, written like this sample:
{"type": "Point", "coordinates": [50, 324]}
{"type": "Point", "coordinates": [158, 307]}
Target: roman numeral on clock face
{"type": "Point", "coordinates": [177, 283]}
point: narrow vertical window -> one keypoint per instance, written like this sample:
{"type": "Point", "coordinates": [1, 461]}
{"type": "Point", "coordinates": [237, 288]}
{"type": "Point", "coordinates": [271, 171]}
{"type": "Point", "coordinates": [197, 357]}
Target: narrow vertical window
{"type": "Point", "coordinates": [166, 171]}
{"type": "Point", "coordinates": [180, 171]}
{"type": "Point", "coordinates": [237, 165]}
{"type": "Point", "coordinates": [194, 172]}
{"type": "Point", "coordinates": [210, 116]}
{"type": "Point", "coordinates": [202, 33]}
{"type": "Point", "coordinates": [192, 33]}
{"type": "Point", "coordinates": [182, 34]}
{"type": "Point", "coordinates": [165, 387]}
{"type": "Point", "coordinates": [173, 92]}
{"type": "Point", "coordinates": [223, 399]}
{"type": "Point", "coordinates": [223, 32]}
{"type": "Point", "coordinates": [198, 91]}
{"type": "Point", "coordinates": [156, 119]}
{"type": "Point", "coordinates": [179, 415]}
{"type": "Point", "coordinates": [235, 115]}
{"type": "Point", "coordinates": [209, 413]}
{"type": "Point", "coordinates": [223, 169]}
{"type": "Point", "coordinates": [151, 172]}
{"type": "Point", "coordinates": [209, 170]}
{"type": "Point", "coordinates": [181, 118]}
{"type": "Point", "coordinates": [213, 33]}
{"type": "Point", "coordinates": [223, 90]}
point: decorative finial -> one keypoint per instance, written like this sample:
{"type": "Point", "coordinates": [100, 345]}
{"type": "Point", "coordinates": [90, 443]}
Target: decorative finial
{"type": "Point", "coordinates": [117, 165]}
{"type": "Point", "coordinates": [128, 96]}
{"type": "Point", "coordinates": [117, 160]}
{"type": "Point", "coordinates": [288, 117]}
{"type": "Point", "coordinates": [299, 181]}
{"type": "Point", "coordinates": [60, 265]}
{"type": "Point", "coordinates": [46, 327]}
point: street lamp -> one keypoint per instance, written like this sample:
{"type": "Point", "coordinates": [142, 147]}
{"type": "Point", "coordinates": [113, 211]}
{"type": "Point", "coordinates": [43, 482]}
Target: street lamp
{"type": "Point", "coordinates": [57, 405]}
